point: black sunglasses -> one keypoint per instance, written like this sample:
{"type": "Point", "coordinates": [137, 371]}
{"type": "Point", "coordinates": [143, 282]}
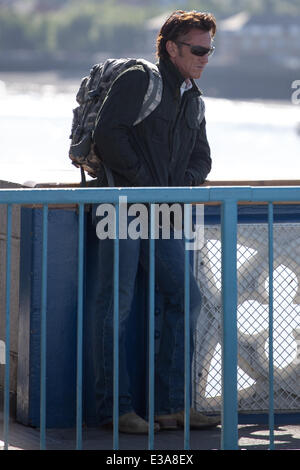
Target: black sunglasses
{"type": "Point", "coordinates": [198, 50]}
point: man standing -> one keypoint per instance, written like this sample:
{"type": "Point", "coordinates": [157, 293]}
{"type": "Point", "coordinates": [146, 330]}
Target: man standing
{"type": "Point", "coordinates": [168, 148]}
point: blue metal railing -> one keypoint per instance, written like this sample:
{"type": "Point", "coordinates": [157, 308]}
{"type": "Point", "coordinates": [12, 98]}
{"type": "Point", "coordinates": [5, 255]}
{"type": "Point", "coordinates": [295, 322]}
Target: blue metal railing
{"type": "Point", "coordinates": [7, 326]}
{"type": "Point", "coordinates": [271, 367]}
{"type": "Point", "coordinates": [228, 197]}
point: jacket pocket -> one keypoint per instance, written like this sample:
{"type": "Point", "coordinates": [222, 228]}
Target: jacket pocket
{"type": "Point", "coordinates": [191, 117]}
{"type": "Point", "coordinates": [160, 129]}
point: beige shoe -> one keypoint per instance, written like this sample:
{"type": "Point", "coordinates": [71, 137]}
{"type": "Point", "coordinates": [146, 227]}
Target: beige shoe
{"type": "Point", "coordinates": [197, 420]}
{"type": "Point", "coordinates": [167, 422]}
{"type": "Point", "coordinates": [131, 423]}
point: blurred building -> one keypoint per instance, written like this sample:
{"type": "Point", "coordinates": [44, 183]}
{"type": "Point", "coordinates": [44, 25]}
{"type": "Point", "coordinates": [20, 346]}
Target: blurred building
{"type": "Point", "coordinates": [260, 39]}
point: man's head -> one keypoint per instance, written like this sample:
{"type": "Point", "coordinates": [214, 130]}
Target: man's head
{"type": "Point", "coordinates": [186, 39]}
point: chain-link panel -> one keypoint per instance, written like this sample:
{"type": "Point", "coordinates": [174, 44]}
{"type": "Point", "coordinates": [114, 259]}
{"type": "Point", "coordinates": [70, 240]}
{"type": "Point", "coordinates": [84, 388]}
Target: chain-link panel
{"type": "Point", "coordinates": [253, 319]}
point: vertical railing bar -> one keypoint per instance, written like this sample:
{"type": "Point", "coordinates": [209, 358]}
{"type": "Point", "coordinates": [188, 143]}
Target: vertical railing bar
{"type": "Point", "coordinates": [187, 371]}
{"type": "Point", "coordinates": [116, 334]}
{"type": "Point", "coordinates": [151, 327]}
{"type": "Point", "coordinates": [80, 328]}
{"type": "Point", "coordinates": [43, 346]}
{"type": "Point", "coordinates": [271, 366]}
{"type": "Point", "coordinates": [7, 327]}
{"type": "Point", "coordinates": [229, 435]}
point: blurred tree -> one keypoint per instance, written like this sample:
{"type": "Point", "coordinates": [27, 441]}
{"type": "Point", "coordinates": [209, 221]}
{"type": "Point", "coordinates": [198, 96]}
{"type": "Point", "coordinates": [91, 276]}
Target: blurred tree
{"type": "Point", "coordinates": [108, 25]}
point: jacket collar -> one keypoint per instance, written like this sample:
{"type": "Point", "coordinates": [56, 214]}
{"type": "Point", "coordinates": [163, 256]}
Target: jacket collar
{"type": "Point", "coordinates": [175, 79]}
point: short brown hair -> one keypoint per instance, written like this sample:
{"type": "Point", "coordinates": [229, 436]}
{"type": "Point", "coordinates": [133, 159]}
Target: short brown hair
{"type": "Point", "coordinates": [180, 23]}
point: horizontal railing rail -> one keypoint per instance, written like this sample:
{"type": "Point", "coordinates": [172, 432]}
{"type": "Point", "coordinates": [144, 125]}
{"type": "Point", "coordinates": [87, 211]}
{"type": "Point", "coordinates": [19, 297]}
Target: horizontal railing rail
{"type": "Point", "coordinates": [150, 195]}
{"type": "Point", "coordinates": [228, 197]}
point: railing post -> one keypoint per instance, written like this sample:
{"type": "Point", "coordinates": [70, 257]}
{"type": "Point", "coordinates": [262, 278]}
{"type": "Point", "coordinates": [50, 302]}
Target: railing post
{"type": "Point", "coordinates": [116, 334]}
{"type": "Point", "coordinates": [7, 327]}
{"type": "Point", "coordinates": [229, 325]}
{"type": "Point", "coordinates": [151, 327]}
{"type": "Point", "coordinates": [271, 366]}
{"type": "Point", "coordinates": [43, 380]}
{"type": "Point", "coordinates": [187, 328]}
{"type": "Point", "coordinates": [80, 328]}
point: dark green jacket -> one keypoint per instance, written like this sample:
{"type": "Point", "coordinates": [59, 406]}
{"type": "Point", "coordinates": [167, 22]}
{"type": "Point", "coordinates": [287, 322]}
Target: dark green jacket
{"type": "Point", "coordinates": [168, 148]}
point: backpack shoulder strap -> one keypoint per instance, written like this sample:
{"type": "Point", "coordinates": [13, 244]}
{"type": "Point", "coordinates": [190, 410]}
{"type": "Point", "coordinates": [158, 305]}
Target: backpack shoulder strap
{"type": "Point", "coordinates": [154, 92]}
{"type": "Point", "coordinates": [201, 113]}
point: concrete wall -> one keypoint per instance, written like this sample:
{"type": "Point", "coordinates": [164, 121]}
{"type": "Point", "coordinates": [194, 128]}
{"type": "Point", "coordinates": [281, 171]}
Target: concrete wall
{"type": "Point", "coordinates": [14, 299]}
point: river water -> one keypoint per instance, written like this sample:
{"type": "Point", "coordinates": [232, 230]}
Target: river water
{"type": "Point", "coordinates": [250, 140]}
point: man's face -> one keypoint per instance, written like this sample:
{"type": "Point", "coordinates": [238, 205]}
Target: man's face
{"type": "Point", "coordinates": [190, 65]}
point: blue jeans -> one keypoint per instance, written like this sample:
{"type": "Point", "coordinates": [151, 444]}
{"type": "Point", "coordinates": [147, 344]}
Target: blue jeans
{"type": "Point", "coordinates": [169, 278]}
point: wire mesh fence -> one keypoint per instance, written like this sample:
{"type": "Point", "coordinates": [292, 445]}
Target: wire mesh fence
{"type": "Point", "coordinates": [252, 316]}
